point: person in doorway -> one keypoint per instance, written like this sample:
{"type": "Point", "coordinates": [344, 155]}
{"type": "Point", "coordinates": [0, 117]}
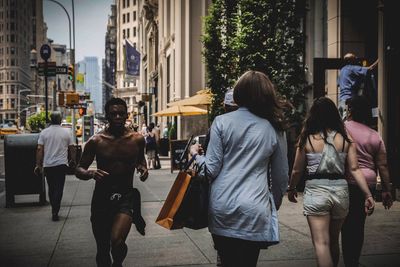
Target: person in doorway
{"type": "Point", "coordinates": [352, 75]}
{"type": "Point", "coordinates": [371, 155]}
{"type": "Point", "coordinates": [323, 150]}
{"type": "Point", "coordinates": [55, 146]}
{"type": "Point", "coordinates": [115, 203]}
{"type": "Point", "coordinates": [243, 210]}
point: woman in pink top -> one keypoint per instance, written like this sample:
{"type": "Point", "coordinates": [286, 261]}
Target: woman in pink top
{"type": "Point", "coordinates": [371, 155]}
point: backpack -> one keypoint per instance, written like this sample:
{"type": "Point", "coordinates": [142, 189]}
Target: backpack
{"type": "Point", "coordinates": [150, 142]}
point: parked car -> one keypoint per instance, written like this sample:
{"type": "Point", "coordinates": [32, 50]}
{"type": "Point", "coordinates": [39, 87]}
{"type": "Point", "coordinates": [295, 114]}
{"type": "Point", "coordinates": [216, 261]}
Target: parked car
{"type": "Point", "coordinates": [8, 128]}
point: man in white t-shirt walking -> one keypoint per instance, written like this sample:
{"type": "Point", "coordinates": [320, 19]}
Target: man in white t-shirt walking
{"type": "Point", "coordinates": [54, 145]}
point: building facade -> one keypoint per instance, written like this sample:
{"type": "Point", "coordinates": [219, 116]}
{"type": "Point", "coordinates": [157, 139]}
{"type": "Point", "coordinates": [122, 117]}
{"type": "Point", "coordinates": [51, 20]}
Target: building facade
{"type": "Point", "coordinates": [172, 66]}
{"type": "Point", "coordinates": [90, 67]}
{"type": "Point", "coordinates": [110, 60]}
{"type": "Point", "coordinates": [336, 27]}
{"type": "Point", "coordinates": [16, 42]}
{"type": "Point", "coordinates": [127, 30]}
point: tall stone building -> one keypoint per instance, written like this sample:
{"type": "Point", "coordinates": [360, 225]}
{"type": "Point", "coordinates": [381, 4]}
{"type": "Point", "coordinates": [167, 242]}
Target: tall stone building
{"type": "Point", "coordinates": [127, 14]}
{"type": "Point", "coordinates": [110, 60]}
{"type": "Point", "coordinates": [21, 31]}
{"type": "Point", "coordinates": [172, 66]}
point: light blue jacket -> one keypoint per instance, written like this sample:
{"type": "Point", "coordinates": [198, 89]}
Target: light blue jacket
{"type": "Point", "coordinates": [240, 149]}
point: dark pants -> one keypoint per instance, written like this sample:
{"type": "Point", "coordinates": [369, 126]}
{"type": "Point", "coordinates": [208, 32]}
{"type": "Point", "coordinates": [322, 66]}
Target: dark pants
{"type": "Point", "coordinates": [236, 252]}
{"type": "Point", "coordinates": [55, 177]}
{"type": "Point", "coordinates": [353, 226]}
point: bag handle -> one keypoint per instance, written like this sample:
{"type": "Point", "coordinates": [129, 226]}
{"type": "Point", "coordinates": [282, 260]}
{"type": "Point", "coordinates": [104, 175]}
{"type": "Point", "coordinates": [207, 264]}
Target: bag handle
{"type": "Point", "coordinates": [184, 153]}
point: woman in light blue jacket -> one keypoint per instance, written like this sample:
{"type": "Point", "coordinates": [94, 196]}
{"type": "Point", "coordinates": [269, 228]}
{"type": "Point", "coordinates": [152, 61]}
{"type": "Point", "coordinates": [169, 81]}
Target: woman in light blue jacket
{"type": "Point", "coordinates": [243, 144]}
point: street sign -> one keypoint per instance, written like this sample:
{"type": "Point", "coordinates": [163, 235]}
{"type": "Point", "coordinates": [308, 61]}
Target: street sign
{"type": "Point", "coordinates": [51, 69]}
{"type": "Point", "coordinates": [45, 52]}
{"type": "Point", "coordinates": [61, 69]}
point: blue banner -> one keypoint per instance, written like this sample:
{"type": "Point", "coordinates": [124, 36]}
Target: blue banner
{"type": "Point", "coordinates": [132, 60]}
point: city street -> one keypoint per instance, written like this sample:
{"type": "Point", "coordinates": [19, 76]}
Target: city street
{"type": "Point", "coordinates": [30, 238]}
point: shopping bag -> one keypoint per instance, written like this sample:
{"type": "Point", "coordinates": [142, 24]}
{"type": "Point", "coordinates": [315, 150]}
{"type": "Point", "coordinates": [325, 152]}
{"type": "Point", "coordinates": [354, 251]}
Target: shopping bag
{"type": "Point", "coordinates": [187, 202]}
{"type": "Point", "coordinates": [193, 211]}
{"type": "Point", "coordinates": [166, 217]}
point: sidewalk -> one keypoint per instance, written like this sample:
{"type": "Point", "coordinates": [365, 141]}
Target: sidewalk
{"type": "Point", "coordinates": [28, 237]}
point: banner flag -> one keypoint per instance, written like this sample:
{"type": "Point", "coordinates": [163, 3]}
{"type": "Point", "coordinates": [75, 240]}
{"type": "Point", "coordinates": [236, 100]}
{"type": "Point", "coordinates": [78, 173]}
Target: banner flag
{"type": "Point", "coordinates": [132, 60]}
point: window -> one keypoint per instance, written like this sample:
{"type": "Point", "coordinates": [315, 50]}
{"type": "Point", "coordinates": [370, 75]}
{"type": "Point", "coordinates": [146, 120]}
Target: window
{"type": "Point", "coordinates": [123, 3]}
{"type": "Point", "coordinates": [1, 103]}
{"type": "Point", "coordinates": [134, 31]}
{"type": "Point", "coordinates": [12, 89]}
{"type": "Point", "coordinates": [128, 16]}
{"type": "Point", "coordinates": [134, 16]}
{"type": "Point", "coordinates": [127, 33]}
{"type": "Point", "coordinates": [12, 50]}
{"type": "Point", "coordinates": [123, 18]}
{"type": "Point", "coordinates": [123, 34]}
{"type": "Point", "coordinates": [134, 2]}
{"type": "Point", "coordinates": [1, 89]}
{"type": "Point", "coordinates": [12, 76]}
{"type": "Point", "coordinates": [12, 103]}
{"type": "Point", "coordinates": [12, 62]}
{"type": "Point", "coordinates": [127, 3]}
{"type": "Point", "coordinates": [12, 38]}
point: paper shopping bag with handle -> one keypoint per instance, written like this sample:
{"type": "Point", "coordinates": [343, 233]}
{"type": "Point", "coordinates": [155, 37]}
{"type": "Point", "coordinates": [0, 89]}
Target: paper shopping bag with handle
{"type": "Point", "coordinates": [167, 217]}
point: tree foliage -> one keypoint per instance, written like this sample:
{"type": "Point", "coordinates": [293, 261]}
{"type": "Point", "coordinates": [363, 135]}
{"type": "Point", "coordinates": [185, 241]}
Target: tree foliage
{"type": "Point", "coordinates": [37, 122]}
{"type": "Point", "coordinates": [260, 35]}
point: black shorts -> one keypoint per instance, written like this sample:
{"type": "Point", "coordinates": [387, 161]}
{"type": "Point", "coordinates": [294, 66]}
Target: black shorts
{"type": "Point", "coordinates": [105, 206]}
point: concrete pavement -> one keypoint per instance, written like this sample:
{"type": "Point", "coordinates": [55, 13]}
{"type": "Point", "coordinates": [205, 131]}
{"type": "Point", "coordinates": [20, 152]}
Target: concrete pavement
{"type": "Point", "coordinates": [28, 237]}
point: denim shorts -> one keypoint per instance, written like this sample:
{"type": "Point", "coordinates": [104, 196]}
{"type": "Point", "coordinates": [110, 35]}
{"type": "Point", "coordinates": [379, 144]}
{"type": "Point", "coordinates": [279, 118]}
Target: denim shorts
{"type": "Point", "coordinates": [323, 196]}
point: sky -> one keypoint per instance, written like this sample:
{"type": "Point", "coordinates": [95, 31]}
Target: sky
{"type": "Point", "coordinates": [91, 18]}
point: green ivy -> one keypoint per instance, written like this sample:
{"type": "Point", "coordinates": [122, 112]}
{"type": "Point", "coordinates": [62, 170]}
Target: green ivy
{"type": "Point", "coordinates": [258, 35]}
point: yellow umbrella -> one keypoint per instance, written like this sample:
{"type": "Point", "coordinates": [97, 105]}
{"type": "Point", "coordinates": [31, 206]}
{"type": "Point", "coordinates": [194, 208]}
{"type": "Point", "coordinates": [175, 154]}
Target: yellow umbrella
{"type": "Point", "coordinates": [180, 111]}
{"type": "Point", "coordinates": [203, 97]}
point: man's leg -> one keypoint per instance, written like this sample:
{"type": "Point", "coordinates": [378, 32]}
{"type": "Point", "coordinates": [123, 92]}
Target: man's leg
{"type": "Point", "coordinates": [59, 181]}
{"type": "Point", "coordinates": [119, 232]}
{"type": "Point", "coordinates": [51, 182]}
{"type": "Point", "coordinates": [101, 227]}
{"type": "Point", "coordinates": [353, 228]}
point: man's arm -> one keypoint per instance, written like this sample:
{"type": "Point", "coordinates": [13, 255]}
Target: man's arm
{"type": "Point", "coordinates": [88, 155]}
{"type": "Point", "coordinates": [142, 164]}
{"type": "Point", "coordinates": [371, 67]}
{"type": "Point", "coordinates": [39, 159]}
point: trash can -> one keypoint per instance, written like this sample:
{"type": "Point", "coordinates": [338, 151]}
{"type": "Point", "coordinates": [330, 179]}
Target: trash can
{"type": "Point", "coordinates": [164, 147]}
{"type": "Point", "coordinates": [19, 163]}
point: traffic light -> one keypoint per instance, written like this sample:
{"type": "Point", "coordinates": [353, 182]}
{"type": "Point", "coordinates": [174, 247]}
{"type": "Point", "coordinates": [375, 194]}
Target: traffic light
{"type": "Point", "coordinates": [82, 111]}
{"type": "Point", "coordinates": [71, 72]}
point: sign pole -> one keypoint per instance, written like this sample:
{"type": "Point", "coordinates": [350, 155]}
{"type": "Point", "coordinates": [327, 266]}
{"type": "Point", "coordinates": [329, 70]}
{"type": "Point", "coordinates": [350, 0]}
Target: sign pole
{"type": "Point", "coordinates": [45, 53]}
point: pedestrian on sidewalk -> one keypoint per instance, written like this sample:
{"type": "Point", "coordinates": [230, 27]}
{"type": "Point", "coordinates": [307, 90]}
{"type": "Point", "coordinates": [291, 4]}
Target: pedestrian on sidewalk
{"type": "Point", "coordinates": [323, 150]}
{"type": "Point", "coordinates": [371, 155]}
{"type": "Point", "coordinates": [243, 210]}
{"type": "Point", "coordinates": [115, 203]}
{"type": "Point", "coordinates": [151, 145]}
{"type": "Point", "coordinates": [55, 144]}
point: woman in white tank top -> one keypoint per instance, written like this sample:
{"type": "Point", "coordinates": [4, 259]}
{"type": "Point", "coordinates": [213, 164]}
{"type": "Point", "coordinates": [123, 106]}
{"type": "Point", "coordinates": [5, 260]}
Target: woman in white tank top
{"type": "Point", "coordinates": [323, 150]}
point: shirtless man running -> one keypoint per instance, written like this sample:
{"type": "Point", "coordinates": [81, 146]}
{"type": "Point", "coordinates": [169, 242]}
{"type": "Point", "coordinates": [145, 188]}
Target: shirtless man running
{"type": "Point", "coordinates": [115, 204]}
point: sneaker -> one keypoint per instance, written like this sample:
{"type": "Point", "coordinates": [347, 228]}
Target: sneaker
{"type": "Point", "coordinates": [55, 217]}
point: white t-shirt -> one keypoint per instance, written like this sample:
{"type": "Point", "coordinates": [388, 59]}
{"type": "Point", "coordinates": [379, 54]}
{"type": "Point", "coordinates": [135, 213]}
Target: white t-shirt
{"type": "Point", "coordinates": [55, 140]}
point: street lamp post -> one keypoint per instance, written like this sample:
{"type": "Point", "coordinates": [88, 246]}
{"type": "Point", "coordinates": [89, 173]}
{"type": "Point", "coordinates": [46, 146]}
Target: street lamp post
{"type": "Point", "coordinates": [19, 105]}
{"type": "Point", "coordinates": [72, 54]}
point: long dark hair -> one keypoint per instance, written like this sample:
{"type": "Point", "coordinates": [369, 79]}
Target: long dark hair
{"type": "Point", "coordinates": [323, 116]}
{"type": "Point", "coordinates": [255, 91]}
